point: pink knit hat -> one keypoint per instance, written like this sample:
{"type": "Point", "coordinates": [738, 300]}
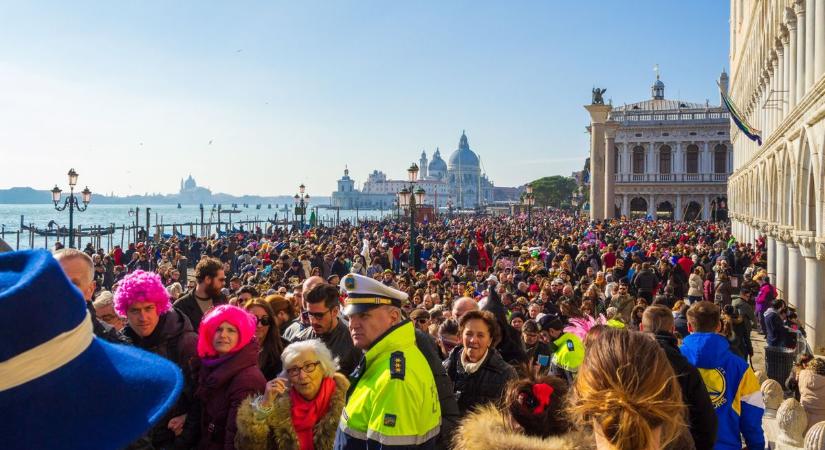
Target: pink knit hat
{"type": "Point", "coordinates": [237, 317]}
{"type": "Point", "coordinates": [141, 286]}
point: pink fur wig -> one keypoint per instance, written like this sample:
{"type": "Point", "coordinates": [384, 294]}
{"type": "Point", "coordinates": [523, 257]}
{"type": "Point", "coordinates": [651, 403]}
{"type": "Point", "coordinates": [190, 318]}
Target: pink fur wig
{"type": "Point", "coordinates": [237, 317]}
{"type": "Point", "coordinates": [140, 286]}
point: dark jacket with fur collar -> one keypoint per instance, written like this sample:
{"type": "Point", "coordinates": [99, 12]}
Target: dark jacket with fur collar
{"type": "Point", "coordinates": [487, 428]}
{"type": "Point", "coordinates": [276, 431]}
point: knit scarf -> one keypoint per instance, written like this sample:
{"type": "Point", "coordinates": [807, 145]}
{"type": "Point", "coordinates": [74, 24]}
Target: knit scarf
{"type": "Point", "coordinates": [471, 367]}
{"type": "Point", "coordinates": [307, 413]}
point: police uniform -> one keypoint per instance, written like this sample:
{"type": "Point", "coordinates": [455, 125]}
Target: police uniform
{"type": "Point", "coordinates": [393, 401]}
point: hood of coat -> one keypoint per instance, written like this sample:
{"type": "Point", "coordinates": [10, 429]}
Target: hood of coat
{"type": "Point", "coordinates": [705, 350]}
{"type": "Point", "coordinates": [486, 428]}
{"type": "Point", "coordinates": [813, 382]}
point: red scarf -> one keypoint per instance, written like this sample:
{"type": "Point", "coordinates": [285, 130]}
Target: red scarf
{"type": "Point", "coordinates": [307, 413]}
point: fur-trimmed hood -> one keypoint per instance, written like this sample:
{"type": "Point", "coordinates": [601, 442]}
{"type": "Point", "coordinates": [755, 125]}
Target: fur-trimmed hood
{"type": "Point", "coordinates": [486, 428]}
{"type": "Point", "coordinates": [276, 430]}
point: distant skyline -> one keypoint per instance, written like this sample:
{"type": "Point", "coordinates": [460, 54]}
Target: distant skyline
{"type": "Point", "coordinates": [258, 97]}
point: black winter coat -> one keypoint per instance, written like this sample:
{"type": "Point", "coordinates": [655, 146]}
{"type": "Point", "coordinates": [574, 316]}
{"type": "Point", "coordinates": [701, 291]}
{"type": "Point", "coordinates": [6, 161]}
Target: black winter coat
{"type": "Point", "coordinates": [484, 386]}
{"type": "Point", "coordinates": [645, 280]}
{"type": "Point", "coordinates": [339, 343]}
{"type": "Point", "coordinates": [701, 414]}
{"type": "Point", "coordinates": [188, 305]}
{"type": "Point", "coordinates": [450, 414]}
{"type": "Point", "coordinates": [175, 340]}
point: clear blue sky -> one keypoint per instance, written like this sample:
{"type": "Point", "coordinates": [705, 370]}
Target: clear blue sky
{"type": "Point", "coordinates": [130, 93]}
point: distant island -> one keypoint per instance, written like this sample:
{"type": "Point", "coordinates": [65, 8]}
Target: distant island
{"type": "Point", "coordinates": [190, 194]}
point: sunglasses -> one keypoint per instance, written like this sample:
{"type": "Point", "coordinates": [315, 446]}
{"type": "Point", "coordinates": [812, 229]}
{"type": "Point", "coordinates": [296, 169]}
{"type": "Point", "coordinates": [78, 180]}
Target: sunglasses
{"type": "Point", "coordinates": [422, 321]}
{"type": "Point", "coordinates": [318, 315]}
{"type": "Point", "coordinates": [264, 321]}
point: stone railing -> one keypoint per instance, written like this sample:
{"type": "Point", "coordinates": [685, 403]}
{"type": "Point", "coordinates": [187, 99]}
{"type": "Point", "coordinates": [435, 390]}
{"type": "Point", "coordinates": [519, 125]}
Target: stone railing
{"type": "Point", "coordinates": [672, 177]}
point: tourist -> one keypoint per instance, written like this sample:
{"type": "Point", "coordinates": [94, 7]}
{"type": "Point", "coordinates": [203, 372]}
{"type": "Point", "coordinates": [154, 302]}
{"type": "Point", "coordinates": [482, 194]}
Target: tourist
{"type": "Point", "coordinates": [105, 310]}
{"type": "Point", "coordinates": [210, 278]}
{"type": "Point", "coordinates": [300, 411]}
{"type": "Point", "coordinates": [628, 393]}
{"type": "Point", "coordinates": [323, 308]}
{"type": "Point", "coordinates": [730, 381]}
{"type": "Point", "coordinates": [228, 373]}
{"type": "Point", "coordinates": [658, 321]}
{"type": "Point", "coordinates": [476, 368]}
{"type": "Point", "coordinates": [268, 336]}
{"type": "Point", "coordinates": [79, 268]}
{"type": "Point", "coordinates": [532, 417]}
{"type": "Point", "coordinates": [153, 325]}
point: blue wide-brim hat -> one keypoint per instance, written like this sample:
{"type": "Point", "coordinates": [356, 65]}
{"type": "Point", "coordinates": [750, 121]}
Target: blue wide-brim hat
{"type": "Point", "coordinates": [61, 387]}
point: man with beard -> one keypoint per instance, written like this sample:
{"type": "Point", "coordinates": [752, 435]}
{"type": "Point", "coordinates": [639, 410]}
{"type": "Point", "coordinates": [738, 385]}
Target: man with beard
{"type": "Point", "coordinates": [322, 306]}
{"type": "Point", "coordinates": [207, 293]}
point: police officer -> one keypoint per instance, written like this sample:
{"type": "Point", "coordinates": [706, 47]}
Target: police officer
{"type": "Point", "coordinates": [393, 401]}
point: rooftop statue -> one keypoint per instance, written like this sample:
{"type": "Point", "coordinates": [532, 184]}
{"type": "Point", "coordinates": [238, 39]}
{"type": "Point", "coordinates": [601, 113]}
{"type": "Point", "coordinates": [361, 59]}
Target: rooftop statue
{"type": "Point", "coordinates": [597, 96]}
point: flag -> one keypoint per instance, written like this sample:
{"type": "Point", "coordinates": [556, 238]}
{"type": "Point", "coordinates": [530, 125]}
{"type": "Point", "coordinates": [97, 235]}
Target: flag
{"type": "Point", "coordinates": [751, 132]}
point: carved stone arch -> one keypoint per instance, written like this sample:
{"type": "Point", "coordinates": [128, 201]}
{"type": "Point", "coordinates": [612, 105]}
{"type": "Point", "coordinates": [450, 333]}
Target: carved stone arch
{"type": "Point", "coordinates": [807, 185]}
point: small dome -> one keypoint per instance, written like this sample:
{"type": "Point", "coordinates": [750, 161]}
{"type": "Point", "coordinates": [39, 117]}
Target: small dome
{"type": "Point", "coordinates": [463, 156]}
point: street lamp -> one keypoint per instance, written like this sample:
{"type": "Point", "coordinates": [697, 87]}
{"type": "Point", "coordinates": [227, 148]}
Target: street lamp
{"type": "Point", "coordinates": [528, 201]}
{"type": "Point", "coordinates": [71, 202]}
{"type": "Point", "coordinates": [450, 208]}
{"type": "Point", "coordinates": [409, 197]}
{"type": "Point", "coordinates": [301, 201]}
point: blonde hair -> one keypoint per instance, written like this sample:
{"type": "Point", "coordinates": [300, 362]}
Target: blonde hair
{"type": "Point", "coordinates": [628, 389]}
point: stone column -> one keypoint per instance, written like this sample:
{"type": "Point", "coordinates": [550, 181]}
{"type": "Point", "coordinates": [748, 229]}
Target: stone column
{"type": "Point", "coordinates": [649, 161]}
{"type": "Point", "coordinates": [625, 205]}
{"type": "Point", "coordinates": [814, 312]}
{"type": "Point", "coordinates": [781, 267]}
{"type": "Point", "coordinates": [610, 129]}
{"type": "Point", "coordinates": [598, 115]}
{"type": "Point", "coordinates": [800, 51]}
{"type": "Point", "coordinates": [790, 19]}
{"type": "Point", "coordinates": [706, 208]}
{"type": "Point", "coordinates": [796, 282]}
{"type": "Point", "coordinates": [704, 167]}
{"type": "Point", "coordinates": [651, 206]}
{"type": "Point", "coordinates": [677, 210]}
{"type": "Point", "coordinates": [819, 40]}
{"type": "Point", "coordinates": [678, 164]}
{"type": "Point", "coordinates": [810, 29]}
{"type": "Point", "coordinates": [771, 249]}
{"type": "Point", "coordinates": [781, 76]}
{"type": "Point", "coordinates": [774, 95]}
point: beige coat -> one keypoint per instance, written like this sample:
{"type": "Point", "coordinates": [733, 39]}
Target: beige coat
{"type": "Point", "coordinates": [812, 395]}
{"type": "Point", "coordinates": [486, 428]}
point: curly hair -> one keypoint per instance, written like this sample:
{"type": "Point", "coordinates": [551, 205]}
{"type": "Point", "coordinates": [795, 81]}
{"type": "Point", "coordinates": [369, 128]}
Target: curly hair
{"type": "Point", "coordinates": [237, 317]}
{"type": "Point", "coordinates": [140, 286]}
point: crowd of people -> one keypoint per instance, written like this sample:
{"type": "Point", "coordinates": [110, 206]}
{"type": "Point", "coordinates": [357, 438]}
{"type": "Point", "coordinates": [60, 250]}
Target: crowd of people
{"type": "Point", "coordinates": [486, 332]}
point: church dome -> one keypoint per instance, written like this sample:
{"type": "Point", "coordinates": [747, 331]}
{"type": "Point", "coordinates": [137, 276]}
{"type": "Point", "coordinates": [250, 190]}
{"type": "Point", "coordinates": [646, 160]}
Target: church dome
{"type": "Point", "coordinates": [463, 157]}
{"type": "Point", "coordinates": [437, 164]}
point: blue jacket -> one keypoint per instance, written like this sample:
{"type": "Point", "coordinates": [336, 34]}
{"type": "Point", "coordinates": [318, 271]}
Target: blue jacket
{"type": "Point", "coordinates": [733, 389]}
{"type": "Point", "coordinates": [777, 334]}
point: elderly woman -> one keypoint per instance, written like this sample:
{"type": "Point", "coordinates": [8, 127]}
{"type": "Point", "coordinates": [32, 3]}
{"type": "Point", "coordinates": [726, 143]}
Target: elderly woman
{"type": "Point", "coordinates": [478, 371]}
{"type": "Point", "coordinates": [228, 373]}
{"type": "Point", "coordinates": [300, 412]}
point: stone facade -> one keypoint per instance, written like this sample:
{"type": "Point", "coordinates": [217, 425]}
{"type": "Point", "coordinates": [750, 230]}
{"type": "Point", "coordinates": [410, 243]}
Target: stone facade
{"type": "Point", "coordinates": [776, 190]}
{"type": "Point", "coordinates": [659, 158]}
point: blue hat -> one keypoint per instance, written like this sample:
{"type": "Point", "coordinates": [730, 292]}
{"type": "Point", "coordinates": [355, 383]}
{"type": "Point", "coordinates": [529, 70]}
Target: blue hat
{"type": "Point", "coordinates": [60, 386]}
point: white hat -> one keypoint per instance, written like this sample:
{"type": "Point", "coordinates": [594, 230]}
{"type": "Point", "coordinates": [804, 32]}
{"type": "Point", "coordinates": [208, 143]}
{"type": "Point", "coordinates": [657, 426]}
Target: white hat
{"type": "Point", "coordinates": [365, 293]}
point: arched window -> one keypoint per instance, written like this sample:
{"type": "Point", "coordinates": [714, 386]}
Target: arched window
{"type": "Point", "coordinates": [665, 160]}
{"type": "Point", "coordinates": [692, 159]}
{"type": "Point", "coordinates": [720, 159]}
{"type": "Point", "coordinates": [638, 159]}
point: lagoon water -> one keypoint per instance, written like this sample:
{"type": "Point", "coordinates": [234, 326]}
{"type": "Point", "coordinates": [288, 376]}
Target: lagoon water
{"type": "Point", "coordinates": [104, 215]}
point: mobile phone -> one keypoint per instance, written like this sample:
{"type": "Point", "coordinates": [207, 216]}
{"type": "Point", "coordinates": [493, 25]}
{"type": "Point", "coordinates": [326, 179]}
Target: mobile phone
{"type": "Point", "coordinates": [544, 360]}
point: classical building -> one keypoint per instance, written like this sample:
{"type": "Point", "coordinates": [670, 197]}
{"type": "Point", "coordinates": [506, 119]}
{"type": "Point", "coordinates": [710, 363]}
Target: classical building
{"type": "Point", "coordinates": [190, 192]}
{"type": "Point", "coordinates": [460, 184]}
{"type": "Point", "coordinates": [777, 83]}
{"type": "Point", "coordinates": [659, 157]}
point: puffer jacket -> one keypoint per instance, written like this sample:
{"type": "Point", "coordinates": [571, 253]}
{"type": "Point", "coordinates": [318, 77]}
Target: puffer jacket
{"type": "Point", "coordinates": [486, 428]}
{"type": "Point", "coordinates": [812, 395]}
{"type": "Point", "coordinates": [695, 285]}
{"type": "Point", "coordinates": [483, 386]}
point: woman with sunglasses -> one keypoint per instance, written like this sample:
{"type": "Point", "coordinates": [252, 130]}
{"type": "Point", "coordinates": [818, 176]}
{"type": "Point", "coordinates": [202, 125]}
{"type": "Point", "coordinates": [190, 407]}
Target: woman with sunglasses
{"type": "Point", "coordinates": [268, 336]}
{"type": "Point", "coordinates": [300, 411]}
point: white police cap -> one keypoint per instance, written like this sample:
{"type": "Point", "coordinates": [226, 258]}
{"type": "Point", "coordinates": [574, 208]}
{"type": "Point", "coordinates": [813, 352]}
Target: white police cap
{"type": "Point", "coordinates": [365, 293]}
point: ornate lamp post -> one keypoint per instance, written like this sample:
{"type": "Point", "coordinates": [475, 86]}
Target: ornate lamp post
{"type": "Point", "coordinates": [409, 197]}
{"type": "Point", "coordinates": [71, 202]}
{"type": "Point", "coordinates": [301, 202]}
{"type": "Point", "coordinates": [450, 208]}
{"type": "Point", "coordinates": [528, 201]}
